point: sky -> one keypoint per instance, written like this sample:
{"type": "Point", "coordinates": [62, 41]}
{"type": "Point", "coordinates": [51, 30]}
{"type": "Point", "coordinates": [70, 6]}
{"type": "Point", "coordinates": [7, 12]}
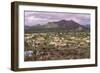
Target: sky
{"type": "Point", "coordinates": [36, 17]}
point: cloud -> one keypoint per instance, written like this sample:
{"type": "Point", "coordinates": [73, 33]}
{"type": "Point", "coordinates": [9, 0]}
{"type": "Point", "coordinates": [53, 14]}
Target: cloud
{"type": "Point", "coordinates": [33, 17]}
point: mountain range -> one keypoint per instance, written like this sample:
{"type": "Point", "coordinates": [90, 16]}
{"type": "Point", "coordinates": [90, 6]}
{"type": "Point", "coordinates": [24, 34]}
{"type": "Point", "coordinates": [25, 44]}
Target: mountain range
{"type": "Point", "coordinates": [62, 24]}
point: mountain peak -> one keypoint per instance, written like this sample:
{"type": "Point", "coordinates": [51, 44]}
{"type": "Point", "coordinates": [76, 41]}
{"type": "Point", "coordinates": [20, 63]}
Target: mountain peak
{"type": "Point", "coordinates": [63, 20]}
{"type": "Point", "coordinates": [66, 21]}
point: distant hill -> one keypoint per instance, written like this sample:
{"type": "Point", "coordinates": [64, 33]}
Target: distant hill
{"type": "Point", "coordinates": [87, 26]}
{"type": "Point", "coordinates": [59, 25]}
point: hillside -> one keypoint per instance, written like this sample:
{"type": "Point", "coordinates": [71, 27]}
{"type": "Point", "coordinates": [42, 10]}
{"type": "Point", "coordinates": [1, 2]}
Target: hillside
{"type": "Point", "coordinates": [67, 25]}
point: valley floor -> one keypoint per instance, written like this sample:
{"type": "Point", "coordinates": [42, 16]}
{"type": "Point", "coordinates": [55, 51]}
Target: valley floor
{"type": "Point", "coordinates": [56, 46]}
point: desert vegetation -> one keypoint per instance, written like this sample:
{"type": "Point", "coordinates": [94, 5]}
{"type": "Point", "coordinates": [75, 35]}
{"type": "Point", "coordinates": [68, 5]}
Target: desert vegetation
{"type": "Point", "coordinates": [43, 46]}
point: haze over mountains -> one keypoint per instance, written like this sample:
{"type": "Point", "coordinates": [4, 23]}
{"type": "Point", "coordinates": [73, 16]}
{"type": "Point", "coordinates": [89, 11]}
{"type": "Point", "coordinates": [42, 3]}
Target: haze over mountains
{"type": "Point", "coordinates": [62, 24]}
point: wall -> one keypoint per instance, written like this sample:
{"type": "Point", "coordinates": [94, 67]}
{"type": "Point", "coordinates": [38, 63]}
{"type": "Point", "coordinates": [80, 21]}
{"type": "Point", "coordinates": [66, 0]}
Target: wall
{"type": "Point", "coordinates": [5, 28]}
